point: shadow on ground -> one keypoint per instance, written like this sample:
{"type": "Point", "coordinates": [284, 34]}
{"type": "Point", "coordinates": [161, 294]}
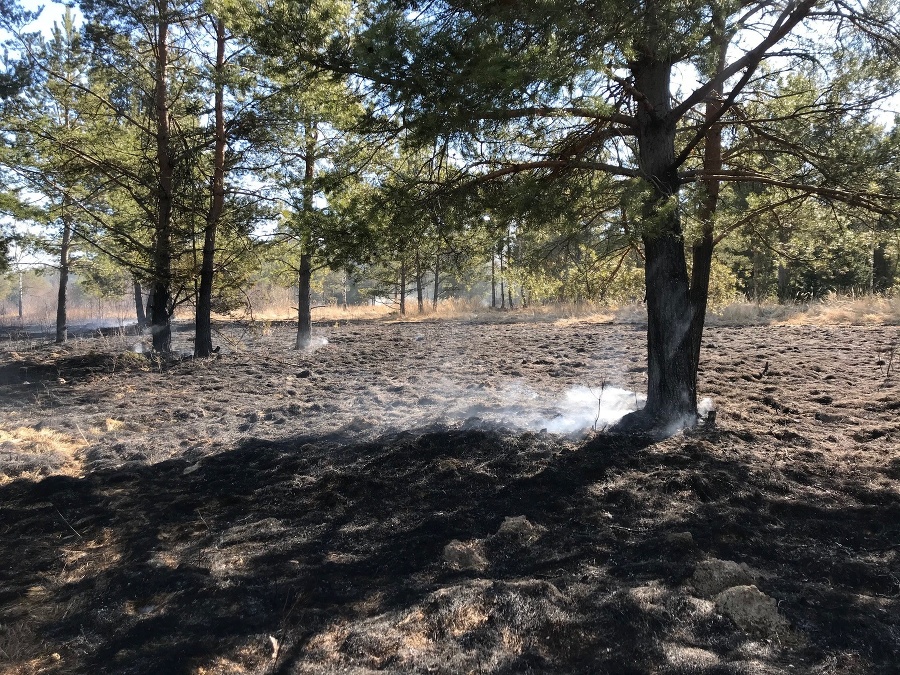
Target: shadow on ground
{"type": "Point", "coordinates": [314, 555]}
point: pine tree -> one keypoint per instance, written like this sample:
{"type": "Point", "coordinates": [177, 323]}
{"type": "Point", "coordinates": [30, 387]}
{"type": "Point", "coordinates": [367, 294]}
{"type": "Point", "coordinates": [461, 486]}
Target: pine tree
{"type": "Point", "coordinates": [589, 87]}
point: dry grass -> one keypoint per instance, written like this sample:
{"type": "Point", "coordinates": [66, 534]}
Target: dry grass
{"type": "Point", "coordinates": [44, 315]}
{"type": "Point", "coordinates": [864, 311]}
{"type": "Point", "coordinates": [833, 310]}
{"type": "Point", "coordinates": [326, 313]}
{"type": "Point", "coordinates": [33, 453]}
{"type": "Point", "coordinates": [873, 310]}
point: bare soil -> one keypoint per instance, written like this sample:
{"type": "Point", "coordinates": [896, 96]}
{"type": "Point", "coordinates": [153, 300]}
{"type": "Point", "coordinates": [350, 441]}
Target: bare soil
{"type": "Point", "coordinates": [356, 508]}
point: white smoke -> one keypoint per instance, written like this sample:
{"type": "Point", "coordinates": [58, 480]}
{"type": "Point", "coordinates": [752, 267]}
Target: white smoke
{"type": "Point", "coordinates": [317, 343]}
{"type": "Point", "coordinates": [584, 408]}
{"type": "Point", "coordinates": [577, 410]}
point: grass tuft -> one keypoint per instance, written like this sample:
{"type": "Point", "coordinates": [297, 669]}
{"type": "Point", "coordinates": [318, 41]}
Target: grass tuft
{"type": "Point", "coordinates": [35, 453]}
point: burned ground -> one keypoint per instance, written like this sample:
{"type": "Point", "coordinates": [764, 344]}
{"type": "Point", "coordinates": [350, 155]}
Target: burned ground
{"type": "Point", "coordinates": [283, 512]}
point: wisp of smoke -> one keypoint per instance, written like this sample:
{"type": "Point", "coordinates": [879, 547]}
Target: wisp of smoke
{"type": "Point", "coordinates": [578, 410]}
{"type": "Point", "coordinates": [583, 408]}
{"type": "Point", "coordinates": [316, 343]}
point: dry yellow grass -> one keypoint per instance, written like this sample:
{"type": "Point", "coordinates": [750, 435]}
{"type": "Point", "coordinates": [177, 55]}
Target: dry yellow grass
{"type": "Point", "coordinates": [834, 310]}
{"type": "Point", "coordinates": [40, 452]}
{"type": "Point", "coordinates": [864, 311]}
{"type": "Point", "coordinates": [113, 425]}
{"type": "Point", "coordinates": [829, 311]}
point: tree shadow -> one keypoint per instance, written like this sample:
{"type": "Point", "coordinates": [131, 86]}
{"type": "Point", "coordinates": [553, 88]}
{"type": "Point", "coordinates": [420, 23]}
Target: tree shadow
{"type": "Point", "coordinates": [336, 550]}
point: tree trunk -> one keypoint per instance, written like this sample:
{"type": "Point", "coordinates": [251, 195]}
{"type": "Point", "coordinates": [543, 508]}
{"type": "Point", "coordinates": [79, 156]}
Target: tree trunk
{"type": "Point", "coordinates": [420, 296]}
{"type": "Point", "coordinates": [203, 321]}
{"type": "Point", "coordinates": [502, 281]}
{"type": "Point", "coordinates": [139, 303]}
{"type": "Point", "coordinates": [783, 281]}
{"type": "Point", "coordinates": [493, 280]}
{"type": "Point", "coordinates": [21, 296]}
{"type": "Point", "coordinates": [509, 288]}
{"type": "Point", "coordinates": [437, 281]}
{"type": "Point", "coordinates": [712, 166]}
{"type": "Point", "coordinates": [402, 286]}
{"type": "Point", "coordinates": [304, 278]}
{"type": "Point", "coordinates": [671, 368]}
{"type": "Point", "coordinates": [304, 308]}
{"type": "Point", "coordinates": [61, 299]}
{"type": "Point", "coordinates": [160, 317]}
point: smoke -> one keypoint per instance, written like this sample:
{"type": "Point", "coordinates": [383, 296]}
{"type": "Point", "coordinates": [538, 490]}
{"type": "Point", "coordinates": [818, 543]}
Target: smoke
{"type": "Point", "coordinates": [575, 411]}
{"type": "Point", "coordinates": [316, 343]}
{"type": "Point", "coordinates": [585, 408]}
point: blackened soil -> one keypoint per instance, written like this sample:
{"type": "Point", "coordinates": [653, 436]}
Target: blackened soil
{"type": "Point", "coordinates": [271, 511]}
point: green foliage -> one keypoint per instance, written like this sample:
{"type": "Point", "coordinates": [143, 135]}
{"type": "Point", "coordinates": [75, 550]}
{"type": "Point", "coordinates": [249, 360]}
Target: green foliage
{"type": "Point", "coordinates": [102, 277]}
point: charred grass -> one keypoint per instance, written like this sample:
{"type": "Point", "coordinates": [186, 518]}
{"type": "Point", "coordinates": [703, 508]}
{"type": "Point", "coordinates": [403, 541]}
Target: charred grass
{"type": "Point", "coordinates": [316, 547]}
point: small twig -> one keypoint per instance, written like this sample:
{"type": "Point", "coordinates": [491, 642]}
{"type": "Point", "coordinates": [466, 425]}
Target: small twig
{"type": "Point", "coordinates": [199, 545]}
{"type": "Point", "coordinates": [77, 533]}
{"type": "Point", "coordinates": [599, 401]}
{"type": "Point", "coordinates": [77, 426]}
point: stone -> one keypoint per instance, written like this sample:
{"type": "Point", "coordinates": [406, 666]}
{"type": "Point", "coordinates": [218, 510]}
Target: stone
{"type": "Point", "coordinates": [463, 556]}
{"type": "Point", "coordinates": [753, 611]}
{"type": "Point", "coordinates": [683, 539]}
{"type": "Point", "coordinates": [713, 576]}
{"type": "Point", "coordinates": [520, 526]}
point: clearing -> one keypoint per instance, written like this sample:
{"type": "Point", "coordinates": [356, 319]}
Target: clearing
{"type": "Point", "coordinates": [397, 500]}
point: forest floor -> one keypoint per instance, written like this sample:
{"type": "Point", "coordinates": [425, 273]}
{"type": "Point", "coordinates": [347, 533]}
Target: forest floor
{"type": "Point", "coordinates": [359, 507]}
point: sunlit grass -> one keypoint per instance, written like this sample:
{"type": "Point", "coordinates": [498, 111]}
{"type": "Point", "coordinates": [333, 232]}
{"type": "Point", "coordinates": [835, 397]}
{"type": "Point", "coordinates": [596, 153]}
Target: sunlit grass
{"type": "Point", "coordinates": [39, 452]}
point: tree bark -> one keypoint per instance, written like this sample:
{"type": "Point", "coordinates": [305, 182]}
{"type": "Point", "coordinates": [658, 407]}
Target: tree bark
{"type": "Point", "coordinates": [437, 281]}
{"type": "Point", "coordinates": [21, 296]}
{"type": "Point", "coordinates": [203, 321]}
{"type": "Point", "coordinates": [402, 287]}
{"type": "Point", "coordinates": [304, 277]}
{"type": "Point", "coordinates": [420, 294]}
{"type": "Point", "coordinates": [712, 166]}
{"type": "Point", "coordinates": [139, 303]}
{"type": "Point", "coordinates": [502, 281]}
{"type": "Point", "coordinates": [304, 308]}
{"type": "Point", "coordinates": [493, 280]}
{"type": "Point", "coordinates": [62, 332]}
{"type": "Point", "coordinates": [161, 314]}
{"type": "Point", "coordinates": [671, 369]}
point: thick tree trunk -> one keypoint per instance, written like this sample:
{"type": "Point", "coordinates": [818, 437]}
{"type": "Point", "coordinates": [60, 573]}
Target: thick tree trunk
{"type": "Point", "coordinates": [160, 317]}
{"type": "Point", "coordinates": [671, 368]}
{"type": "Point", "coordinates": [139, 303]}
{"type": "Point", "coordinates": [61, 299]}
{"type": "Point", "coordinates": [304, 306]}
{"type": "Point", "coordinates": [203, 320]}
